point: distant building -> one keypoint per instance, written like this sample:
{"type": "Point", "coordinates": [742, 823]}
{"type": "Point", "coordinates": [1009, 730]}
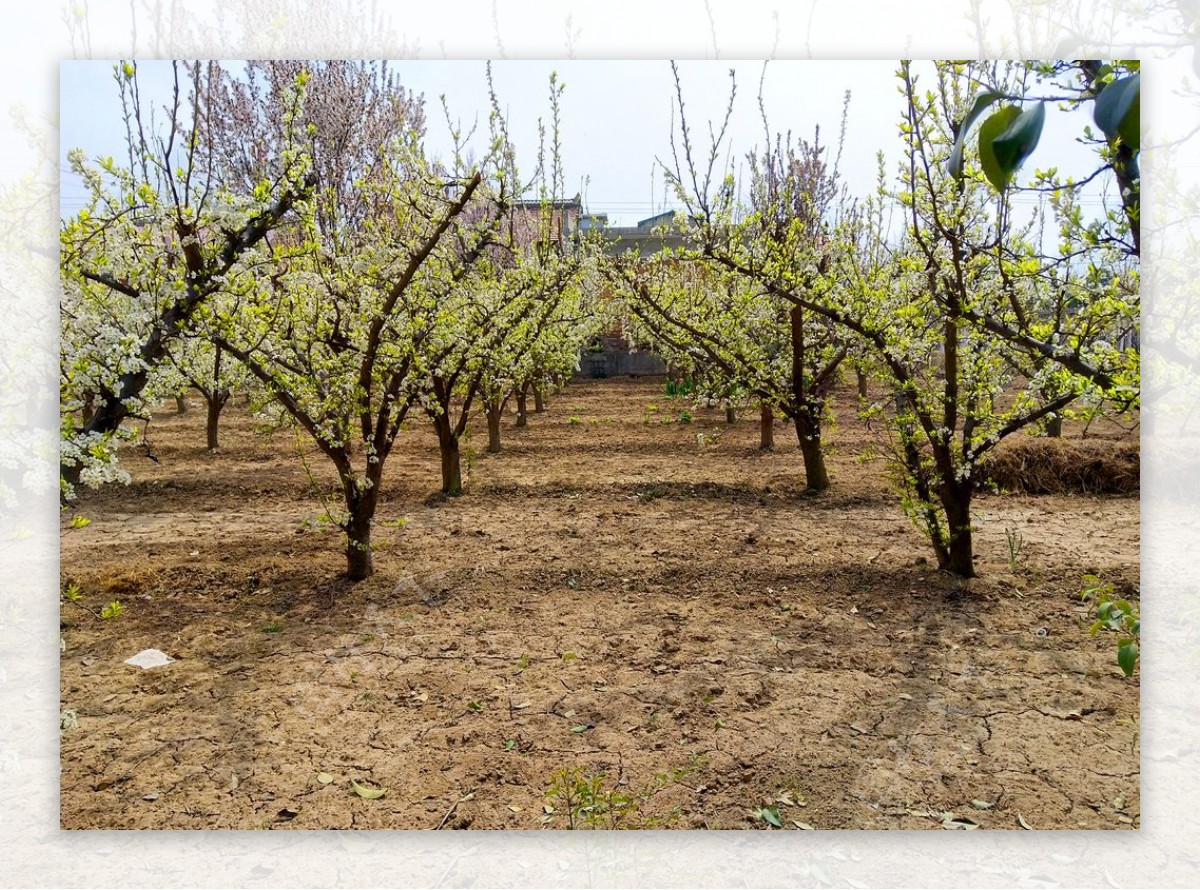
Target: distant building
{"type": "Point", "coordinates": [647, 238]}
{"type": "Point", "coordinates": [593, 221]}
{"type": "Point", "coordinates": [529, 226]}
{"type": "Point", "coordinates": [610, 355]}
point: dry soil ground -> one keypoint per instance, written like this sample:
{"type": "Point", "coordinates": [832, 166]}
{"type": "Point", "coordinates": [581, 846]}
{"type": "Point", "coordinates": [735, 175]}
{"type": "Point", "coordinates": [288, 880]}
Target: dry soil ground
{"type": "Point", "coordinates": [617, 592]}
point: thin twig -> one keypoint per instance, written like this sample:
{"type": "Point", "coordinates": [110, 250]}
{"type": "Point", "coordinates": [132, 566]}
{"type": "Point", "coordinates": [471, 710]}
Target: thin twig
{"type": "Point", "coordinates": [453, 807]}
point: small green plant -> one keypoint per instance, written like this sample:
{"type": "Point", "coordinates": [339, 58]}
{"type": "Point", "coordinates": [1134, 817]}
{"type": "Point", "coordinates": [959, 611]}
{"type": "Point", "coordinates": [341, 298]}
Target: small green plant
{"type": "Point", "coordinates": [651, 410]}
{"type": "Point", "coordinates": [680, 388]}
{"type": "Point", "coordinates": [78, 521]}
{"type": "Point", "coordinates": [272, 627]}
{"type": "Point", "coordinates": [323, 522]}
{"type": "Point", "coordinates": [469, 456]}
{"type": "Point", "coordinates": [1016, 542]}
{"type": "Point", "coordinates": [475, 706]}
{"type": "Point", "coordinates": [395, 523]}
{"type": "Point", "coordinates": [522, 663]}
{"type": "Point", "coordinates": [1118, 616]}
{"type": "Point", "coordinates": [73, 593]}
{"type": "Point", "coordinates": [574, 420]}
{"type": "Point", "coordinates": [112, 610]}
{"type": "Point", "coordinates": [685, 416]}
{"type": "Point", "coordinates": [590, 800]}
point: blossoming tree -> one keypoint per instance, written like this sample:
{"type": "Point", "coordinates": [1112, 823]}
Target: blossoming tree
{"type": "Point", "coordinates": [159, 236]}
{"type": "Point", "coordinates": [931, 304]}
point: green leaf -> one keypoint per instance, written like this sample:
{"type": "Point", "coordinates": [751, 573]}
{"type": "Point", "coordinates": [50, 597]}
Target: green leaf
{"type": "Point", "coordinates": [1127, 656]}
{"type": "Point", "coordinates": [989, 131]}
{"type": "Point", "coordinates": [1017, 142]}
{"type": "Point", "coordinates": [366, 792]}
{"type": "Point", "coordinates": [1006, 139]}
{"type": "Point", "coordinates": [770, 815]}
{"type": "Point", "coordinates": [1118, 111]}
{"type": "Point", "coordinates": [982, 101]}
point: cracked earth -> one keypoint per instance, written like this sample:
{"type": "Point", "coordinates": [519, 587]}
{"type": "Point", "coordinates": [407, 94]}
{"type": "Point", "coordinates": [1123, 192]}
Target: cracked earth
{"type": "Point", "coordinates": [625, 595]}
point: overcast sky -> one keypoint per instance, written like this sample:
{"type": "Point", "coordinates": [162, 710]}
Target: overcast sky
{"type": "Point", "coordinates": [616, 117]}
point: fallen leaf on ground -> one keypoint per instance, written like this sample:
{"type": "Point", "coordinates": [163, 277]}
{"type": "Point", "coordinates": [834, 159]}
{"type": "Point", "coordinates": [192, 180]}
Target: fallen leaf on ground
{"type": "Point", "coordinates": [770, 815]}
{"type": "Point", "coordinates": [958, 823]}
{"type": "Point", "coordinates": [366, 792]}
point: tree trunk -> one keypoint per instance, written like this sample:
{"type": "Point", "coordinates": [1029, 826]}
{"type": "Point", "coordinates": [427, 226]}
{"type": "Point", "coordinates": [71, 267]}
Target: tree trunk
{"type": "Point", "coordinates": [451, 463]}
{"type": "Point", "coordinates": [539, 401]}
{"type": "Point", "coordinates": [180, 405]}
{"type": "Point", "coordinates": [862, 383]}
{"type": "Point", "coordinates": [730, 414]}
{"type": "Point", "coordinates": [212, 423]}
{"type": "Point", "coordinates": [493, 422]}
{"type": "Point", "coordinates": [360, 563]}
{"type": "Point", "coordinates": [522, 407]}
{"type": "Point", "coordinates": [960, 557]}
{"type": "Point", "coordinates": [767, 428]}
{"type": "Point", "coordinates": [89, 409]}
{"type": "Point", "coordinates": [808, 414]}
{"type": "Point", "coordinates": [1054, 427]}
{"type": "Point", "coordinates": [808, 433]}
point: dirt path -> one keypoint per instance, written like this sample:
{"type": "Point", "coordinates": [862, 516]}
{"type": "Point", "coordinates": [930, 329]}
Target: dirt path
{"type": "Point", "coordinates": [618, 592]}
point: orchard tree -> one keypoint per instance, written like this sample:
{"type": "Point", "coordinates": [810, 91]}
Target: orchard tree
{"type": "Point", "coordinates": [964, 259]}
{"type": "Point", "coordinates": [345, 341]}
{"type": "Point", "coordinates": [545, 341]}
{"type": "Point", "coordinates": [356, 320]}
{"type": "Point", "coordinates": [929, 303]}
{"type": "Point", "coordinates": [740, 338]}
{"type": "Point", "coordinates": [196, 363]}
{"type": "Point", "coordinates": [788, 233]}
{"type": "Point", "coordinates": [160, 235]}
{"type": "Point", "coordinates": [491, 323]}
{"type": "Point", "coordinates": [518, 298]}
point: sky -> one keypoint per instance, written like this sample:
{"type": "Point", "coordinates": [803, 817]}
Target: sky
{"type": "Point", "coordinates": [616, 117]}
